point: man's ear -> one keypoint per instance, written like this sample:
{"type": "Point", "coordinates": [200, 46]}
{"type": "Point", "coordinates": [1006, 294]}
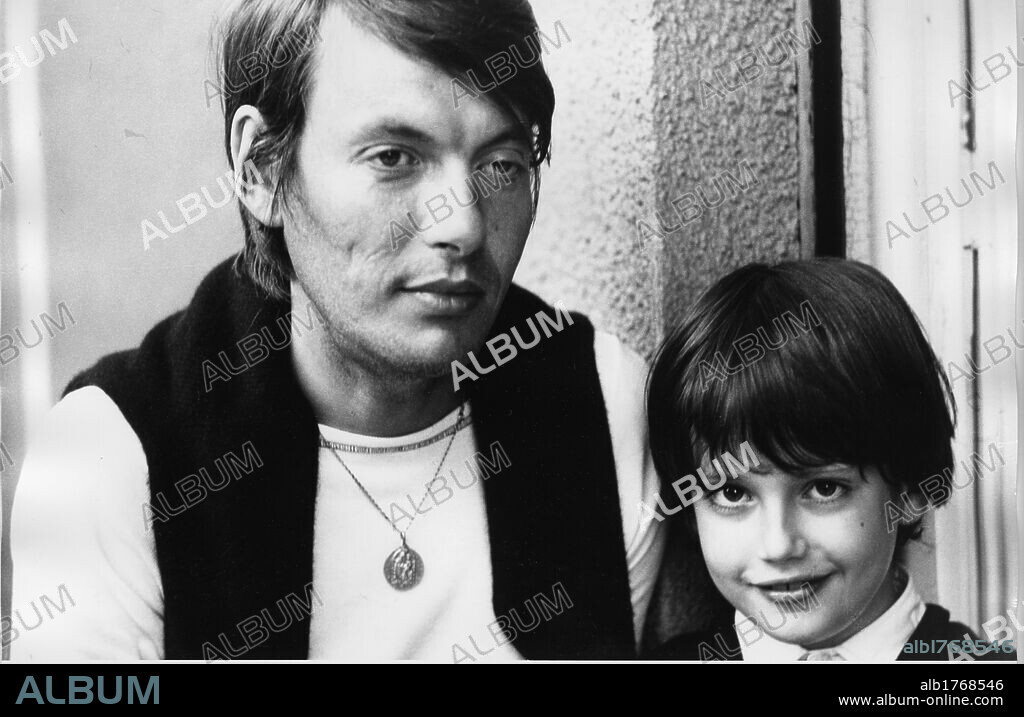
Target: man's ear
{"type": "Point", "coordinates": [255, 186]}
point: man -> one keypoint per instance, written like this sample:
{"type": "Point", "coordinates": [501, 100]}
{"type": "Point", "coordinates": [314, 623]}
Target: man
{"type": "Point", "coordinates": [334, 469]}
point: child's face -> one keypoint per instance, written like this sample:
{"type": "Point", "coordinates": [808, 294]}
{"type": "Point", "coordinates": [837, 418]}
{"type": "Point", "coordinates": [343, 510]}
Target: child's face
{"type": "Point", "coordinates": [767, 533]}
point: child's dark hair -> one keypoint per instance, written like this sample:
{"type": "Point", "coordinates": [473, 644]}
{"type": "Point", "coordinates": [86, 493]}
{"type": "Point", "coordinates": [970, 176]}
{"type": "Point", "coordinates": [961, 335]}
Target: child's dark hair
{"type": "Point", "coordinates": [811, 362]}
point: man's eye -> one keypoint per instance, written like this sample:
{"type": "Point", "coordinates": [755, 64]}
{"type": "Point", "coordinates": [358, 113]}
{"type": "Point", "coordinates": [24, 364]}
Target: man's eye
{"type": "Point", "coordinates": [826, 490]}
{"type": "Point", "coordinates": [504, 168]}
{"type": "Point", "coordinates": [394, 159]}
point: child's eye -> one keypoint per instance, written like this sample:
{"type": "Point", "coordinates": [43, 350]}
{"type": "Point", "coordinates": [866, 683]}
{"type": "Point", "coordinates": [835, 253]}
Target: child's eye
{"type": "Point", "coordinates": [729, 497]}
{"type": "Point", "coordinates": [825, 491]}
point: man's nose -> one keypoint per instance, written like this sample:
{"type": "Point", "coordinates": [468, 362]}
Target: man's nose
{"type": "Point", "coordinates": [453, 216]}
{"type": "Point", "coordinates": [782, 536]}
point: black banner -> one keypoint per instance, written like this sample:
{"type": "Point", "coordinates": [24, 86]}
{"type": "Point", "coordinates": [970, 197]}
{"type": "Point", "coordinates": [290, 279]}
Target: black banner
{"type": "Point", "coordinates": [981, 685]}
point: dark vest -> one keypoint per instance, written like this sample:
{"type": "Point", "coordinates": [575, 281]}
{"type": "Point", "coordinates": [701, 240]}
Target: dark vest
{"type": "Point", "coordinates": [244, 547]}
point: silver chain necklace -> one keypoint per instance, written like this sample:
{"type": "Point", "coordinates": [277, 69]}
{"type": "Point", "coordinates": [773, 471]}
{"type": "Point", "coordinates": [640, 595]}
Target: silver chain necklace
{"type": "Point", "coordinates": [403, 569]}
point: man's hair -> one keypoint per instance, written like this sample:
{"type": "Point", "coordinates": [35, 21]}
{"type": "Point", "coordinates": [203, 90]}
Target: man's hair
{"type": "Point", "coordinates": [266, 51]}
{"type": "Point", "coordinates": [851, 379]}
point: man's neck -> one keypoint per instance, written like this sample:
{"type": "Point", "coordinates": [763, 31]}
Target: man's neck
{"type": "Point", "coordinates": [346, 395]}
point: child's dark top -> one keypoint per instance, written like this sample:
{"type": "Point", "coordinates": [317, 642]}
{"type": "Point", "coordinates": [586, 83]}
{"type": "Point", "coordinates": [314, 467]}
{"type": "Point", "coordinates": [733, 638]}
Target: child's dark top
{"type": "Point", "coordinates": [724, 644]}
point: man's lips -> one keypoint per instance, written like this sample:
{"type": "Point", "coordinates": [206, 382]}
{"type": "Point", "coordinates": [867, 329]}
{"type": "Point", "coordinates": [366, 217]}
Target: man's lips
{"type": "Point", "coordinates": [462, 287]}
{"type": "Point", "coordinates": [447, 297]}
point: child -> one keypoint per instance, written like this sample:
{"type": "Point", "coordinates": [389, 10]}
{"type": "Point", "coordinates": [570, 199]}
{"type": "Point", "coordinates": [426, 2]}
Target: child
{"type": "Point", "coordinates": [818, 375]}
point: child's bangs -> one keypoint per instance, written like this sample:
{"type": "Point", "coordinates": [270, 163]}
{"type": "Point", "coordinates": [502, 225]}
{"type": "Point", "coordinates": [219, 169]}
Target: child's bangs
{"type": "Point", "coordinates": [795, 398]}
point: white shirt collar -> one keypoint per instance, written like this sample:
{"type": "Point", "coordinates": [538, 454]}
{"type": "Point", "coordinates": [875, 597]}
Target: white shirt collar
{"type": "Point", "coordinates": [881, 641]}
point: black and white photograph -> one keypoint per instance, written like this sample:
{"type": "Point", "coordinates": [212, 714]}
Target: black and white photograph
{"type": "Point", "coordinates": [491, 331]}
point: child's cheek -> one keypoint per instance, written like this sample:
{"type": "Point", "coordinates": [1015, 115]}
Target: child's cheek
{"type": "Point", "coordinates": [865, 529]}
{"type": "Point", "coordinates": [723, 542]}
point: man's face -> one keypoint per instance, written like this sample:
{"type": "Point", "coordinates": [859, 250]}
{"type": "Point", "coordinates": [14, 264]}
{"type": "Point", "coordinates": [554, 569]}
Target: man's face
{"type": "Point", "coordinates": [384, 145]}
{"type": "Point", "coordinates": [768, 533]}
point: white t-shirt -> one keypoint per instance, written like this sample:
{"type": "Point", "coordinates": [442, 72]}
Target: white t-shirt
{"type": "Point", "coordinates": [79, 527]}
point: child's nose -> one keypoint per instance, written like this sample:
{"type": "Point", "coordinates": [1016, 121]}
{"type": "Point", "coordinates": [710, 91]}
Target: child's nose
{"type": "Point", "coordinates": [781, 536]}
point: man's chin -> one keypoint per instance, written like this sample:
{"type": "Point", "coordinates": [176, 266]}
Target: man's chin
{"type": "Point", "coordinates": [426, 369]}
{"type": "Point", "coordinates": [431, 363]}
{"type": "Point", "coordinates": [418, 353]}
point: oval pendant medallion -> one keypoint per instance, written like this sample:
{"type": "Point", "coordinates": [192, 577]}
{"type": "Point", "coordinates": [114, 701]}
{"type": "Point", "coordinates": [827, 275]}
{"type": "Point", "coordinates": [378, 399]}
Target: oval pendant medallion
{"type": "Point", "coordinates": [403, 569]}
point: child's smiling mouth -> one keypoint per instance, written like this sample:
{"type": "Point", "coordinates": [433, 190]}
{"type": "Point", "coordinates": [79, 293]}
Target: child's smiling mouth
{"type": "Point", "coordinates": [800, 589]}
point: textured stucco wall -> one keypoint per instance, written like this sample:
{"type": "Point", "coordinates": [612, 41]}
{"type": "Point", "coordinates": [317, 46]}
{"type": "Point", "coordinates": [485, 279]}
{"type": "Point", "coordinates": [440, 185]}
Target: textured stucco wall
{"type": "Point", "coordinates": [632, 134]}
{"type": "Point", "coordinates": [701, 135]}
{"type": "Point", "coordinates": [584, 249]}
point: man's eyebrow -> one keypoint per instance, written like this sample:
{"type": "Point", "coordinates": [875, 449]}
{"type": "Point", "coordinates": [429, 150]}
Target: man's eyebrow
{"type": "Point", "coordinates": [403, 130]}
{"type": "Point", "coordinates": [511, 133]}
{"type": "Point", "coordinates": [393, 128]}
